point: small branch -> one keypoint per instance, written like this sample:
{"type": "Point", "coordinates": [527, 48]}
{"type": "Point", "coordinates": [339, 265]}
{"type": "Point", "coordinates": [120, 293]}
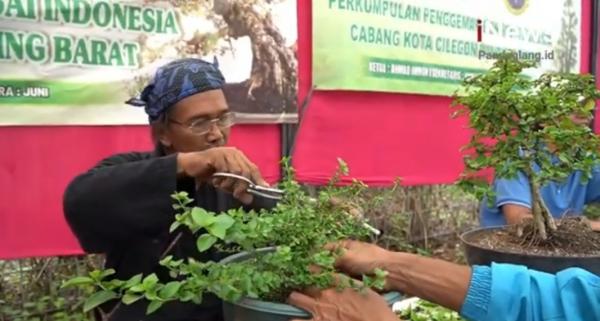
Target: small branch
{"type": "Point", "coordinates": [105, 316]}
{"type": "Point", "coordinates": [171, 245]}
{"type": "Point", "coordinates": [42, 270]}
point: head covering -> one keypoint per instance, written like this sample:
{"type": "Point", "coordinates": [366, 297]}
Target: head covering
{"type": "Point", "coordinates": [175, 81]}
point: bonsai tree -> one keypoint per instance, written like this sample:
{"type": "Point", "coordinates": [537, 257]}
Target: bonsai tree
{"type": "Point", "coordinates": [528, 125]}
{"type": "Point", "coordinates": [297, 230]}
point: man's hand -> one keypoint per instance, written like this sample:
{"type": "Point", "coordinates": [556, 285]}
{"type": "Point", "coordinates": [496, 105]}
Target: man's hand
{"type": "Point", "coordinates": [515, 214]}
{"type": "Point", "coordinates": [202, 165]}
{"type": "Point", "coordinates": [345, 305]}
{"type": "Point", "coordinates": [431, 279]}
{"type": "Point", "coordinates": [360, 258]}
{"type": "Point", "coordinates": [595, 224]}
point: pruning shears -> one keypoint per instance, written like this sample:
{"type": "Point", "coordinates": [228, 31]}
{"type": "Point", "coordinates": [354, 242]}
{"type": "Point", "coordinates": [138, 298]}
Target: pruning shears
{"type": "Point", "coordinates": [254, 189]}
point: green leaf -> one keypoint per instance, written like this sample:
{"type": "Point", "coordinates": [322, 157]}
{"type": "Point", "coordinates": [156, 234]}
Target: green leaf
{"type": "Point", "coordinates": [137, 288]}
{"type": "Point", "coordinates": [174, 226]}
{"type": "Point", "coordinates": [169, 290]}
{"type": "Point", "coordinates": [97, 299]}
{"type": "Point", "coordinates": [131, 298]}
{"type": "Point", "coordinates": [201, 217]}
{"type": "Point", "coordinates": [152, 296]}
{"type": "Point", "coordinates": [113, 284]}
{"type": "Point", "coordinates": [133, 281]}
{"type": "Point", "coordinates": [222, 223]}
{"type": "Point", "coordinates": [165, 261]}
{"type": "Point", "coordinates": [80, 280]}
{"type": "Point", "coordinates": [150, 281]}
{"type": "Point", "coordinates": [153, 306]}
{"type": "Point", "coordinates": [106, 273]}
{"type": "Point", "coordinates": [205, 241]}
{"type": "Point", "coordinates": [189, 296]}
{"type": "Point", "coordinates": [95, 274]}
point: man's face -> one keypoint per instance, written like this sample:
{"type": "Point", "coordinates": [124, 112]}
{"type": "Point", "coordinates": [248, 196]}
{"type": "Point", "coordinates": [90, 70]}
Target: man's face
{"type": "Point", "coordinates": [197, 110]}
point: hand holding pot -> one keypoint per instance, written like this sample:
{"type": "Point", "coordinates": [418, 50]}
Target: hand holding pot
{"type": "Point", "coordinates": [345, 305]}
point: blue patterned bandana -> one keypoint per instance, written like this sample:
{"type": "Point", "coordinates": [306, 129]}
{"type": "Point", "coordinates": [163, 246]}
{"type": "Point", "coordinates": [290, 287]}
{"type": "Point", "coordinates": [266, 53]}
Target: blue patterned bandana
{"type": "Point", "coordinates": [175, 81]}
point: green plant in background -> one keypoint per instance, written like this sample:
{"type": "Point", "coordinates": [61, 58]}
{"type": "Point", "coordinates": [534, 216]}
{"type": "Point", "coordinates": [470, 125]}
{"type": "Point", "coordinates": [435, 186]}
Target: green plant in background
{"type": "Point", "coordinates": [592, 211]}
{"type": "Point", "coordinates": [41, 309]}
{"type": "Point", "coordinates": [522, 124]}
{"type": "Point", "coordinates": [427, 311]}
{"type": "Point", "coordinates": [299, 227]}
{"type": "Point", "coordinates": [30, 289]}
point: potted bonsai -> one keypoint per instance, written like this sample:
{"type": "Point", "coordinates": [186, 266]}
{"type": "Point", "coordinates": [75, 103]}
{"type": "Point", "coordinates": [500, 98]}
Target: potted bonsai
{"type": "Point", "coordinates": [528, 125]}
{"type": "Point", "coordinates": [271, 254]}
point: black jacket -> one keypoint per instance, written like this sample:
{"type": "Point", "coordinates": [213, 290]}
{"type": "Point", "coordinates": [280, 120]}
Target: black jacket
{"type": "Point", "coordinates": [122, 208]}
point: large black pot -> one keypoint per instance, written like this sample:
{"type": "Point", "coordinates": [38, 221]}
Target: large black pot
{"type": "Point", "coordinates": [255, 310]}
{"type": "Point", "coordinates": [477, 255]}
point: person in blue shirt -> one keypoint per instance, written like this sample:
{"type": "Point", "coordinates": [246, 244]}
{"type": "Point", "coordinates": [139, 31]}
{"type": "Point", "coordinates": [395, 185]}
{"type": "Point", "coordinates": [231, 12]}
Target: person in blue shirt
{"type": "Point", "coordinates": [501, 292]}
{"type": "Point", "coordinates": [513, 198]}
{"type": "Point", "coordinates": [512, 201]}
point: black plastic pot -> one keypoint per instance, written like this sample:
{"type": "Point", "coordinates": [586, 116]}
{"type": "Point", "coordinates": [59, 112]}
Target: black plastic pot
{"type": "Point", "coordinates": [256, 310]}
{"type": "Point", "coordinates": [477, 255]}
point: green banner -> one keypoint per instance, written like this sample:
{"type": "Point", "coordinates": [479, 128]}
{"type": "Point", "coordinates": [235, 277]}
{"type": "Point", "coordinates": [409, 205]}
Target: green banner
{"type": "Point", "coordinates": [430, 46]}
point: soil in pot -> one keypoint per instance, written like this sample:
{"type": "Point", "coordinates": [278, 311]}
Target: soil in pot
{"type": "Point", "coordinates": [573, 238]}
{"type": "Point", "coordinates": [574, 245]}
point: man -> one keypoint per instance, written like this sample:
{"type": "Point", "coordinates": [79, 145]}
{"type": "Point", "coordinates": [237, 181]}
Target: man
{"type": "Point", "coordinates": [122, 206]}
{"type": "Point", "coordinates": [513, 199]}
{"type": "Point", "coordinates": [502, 292]}
{"type": "Point", "coordinates": [513, 196]}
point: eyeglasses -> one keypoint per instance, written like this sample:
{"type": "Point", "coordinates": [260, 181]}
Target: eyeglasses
{"type": "Point", "coordinates": [203, 126]}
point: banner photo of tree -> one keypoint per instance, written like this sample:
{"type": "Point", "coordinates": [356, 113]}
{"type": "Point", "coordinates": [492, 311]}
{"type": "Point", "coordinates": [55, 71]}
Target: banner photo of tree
{"type": "Point", "coordinates": [430, 46]}
{"type": "Point", "coordinates": [66, 62]}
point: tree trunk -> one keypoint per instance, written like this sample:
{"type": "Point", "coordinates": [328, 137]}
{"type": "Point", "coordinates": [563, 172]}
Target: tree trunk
{"type": "Point", "coordinates": [271, 87]}
{"type": "Point", "coordinates": [542, 218]}
{"type": "Point", "coordinates": [536, 210]}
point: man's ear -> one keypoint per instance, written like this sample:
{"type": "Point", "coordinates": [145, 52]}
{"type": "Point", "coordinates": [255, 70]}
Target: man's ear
{"type": "Point", "coordinates": [161, 135]}
{"type": "Point", "coordinates": [164, 137]}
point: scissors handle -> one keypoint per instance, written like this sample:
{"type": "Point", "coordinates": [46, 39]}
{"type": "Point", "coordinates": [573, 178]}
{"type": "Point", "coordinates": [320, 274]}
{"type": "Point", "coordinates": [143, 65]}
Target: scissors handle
{"type": "Point", "coordinates": [230, 175]}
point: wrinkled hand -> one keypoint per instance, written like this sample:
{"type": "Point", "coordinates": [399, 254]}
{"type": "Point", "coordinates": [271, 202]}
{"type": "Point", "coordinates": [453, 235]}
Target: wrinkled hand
{"type": "Point", "coordinates": [202, 165]}
{"type": "Point", "coordinates": [358, 258]}
{"type": "Point", "coordinates": [345, 305]}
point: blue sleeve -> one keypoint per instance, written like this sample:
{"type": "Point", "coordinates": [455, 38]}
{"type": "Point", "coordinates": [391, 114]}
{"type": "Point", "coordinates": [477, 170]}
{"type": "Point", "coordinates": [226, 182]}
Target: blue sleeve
{"type": "Point", "coordinates": [508, 191]}
{"type": "Point", "coordinates": [508, 292]}
{"type": "Point", "coordinates": [513, 191]}
{"type": "Point", "coordinates": [592, 194]}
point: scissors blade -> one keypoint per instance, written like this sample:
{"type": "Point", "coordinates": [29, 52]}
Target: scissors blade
{"type": "Point", "coordinates": [266, 192]}
{"type": "Point", "coordinates": [265, 195]}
